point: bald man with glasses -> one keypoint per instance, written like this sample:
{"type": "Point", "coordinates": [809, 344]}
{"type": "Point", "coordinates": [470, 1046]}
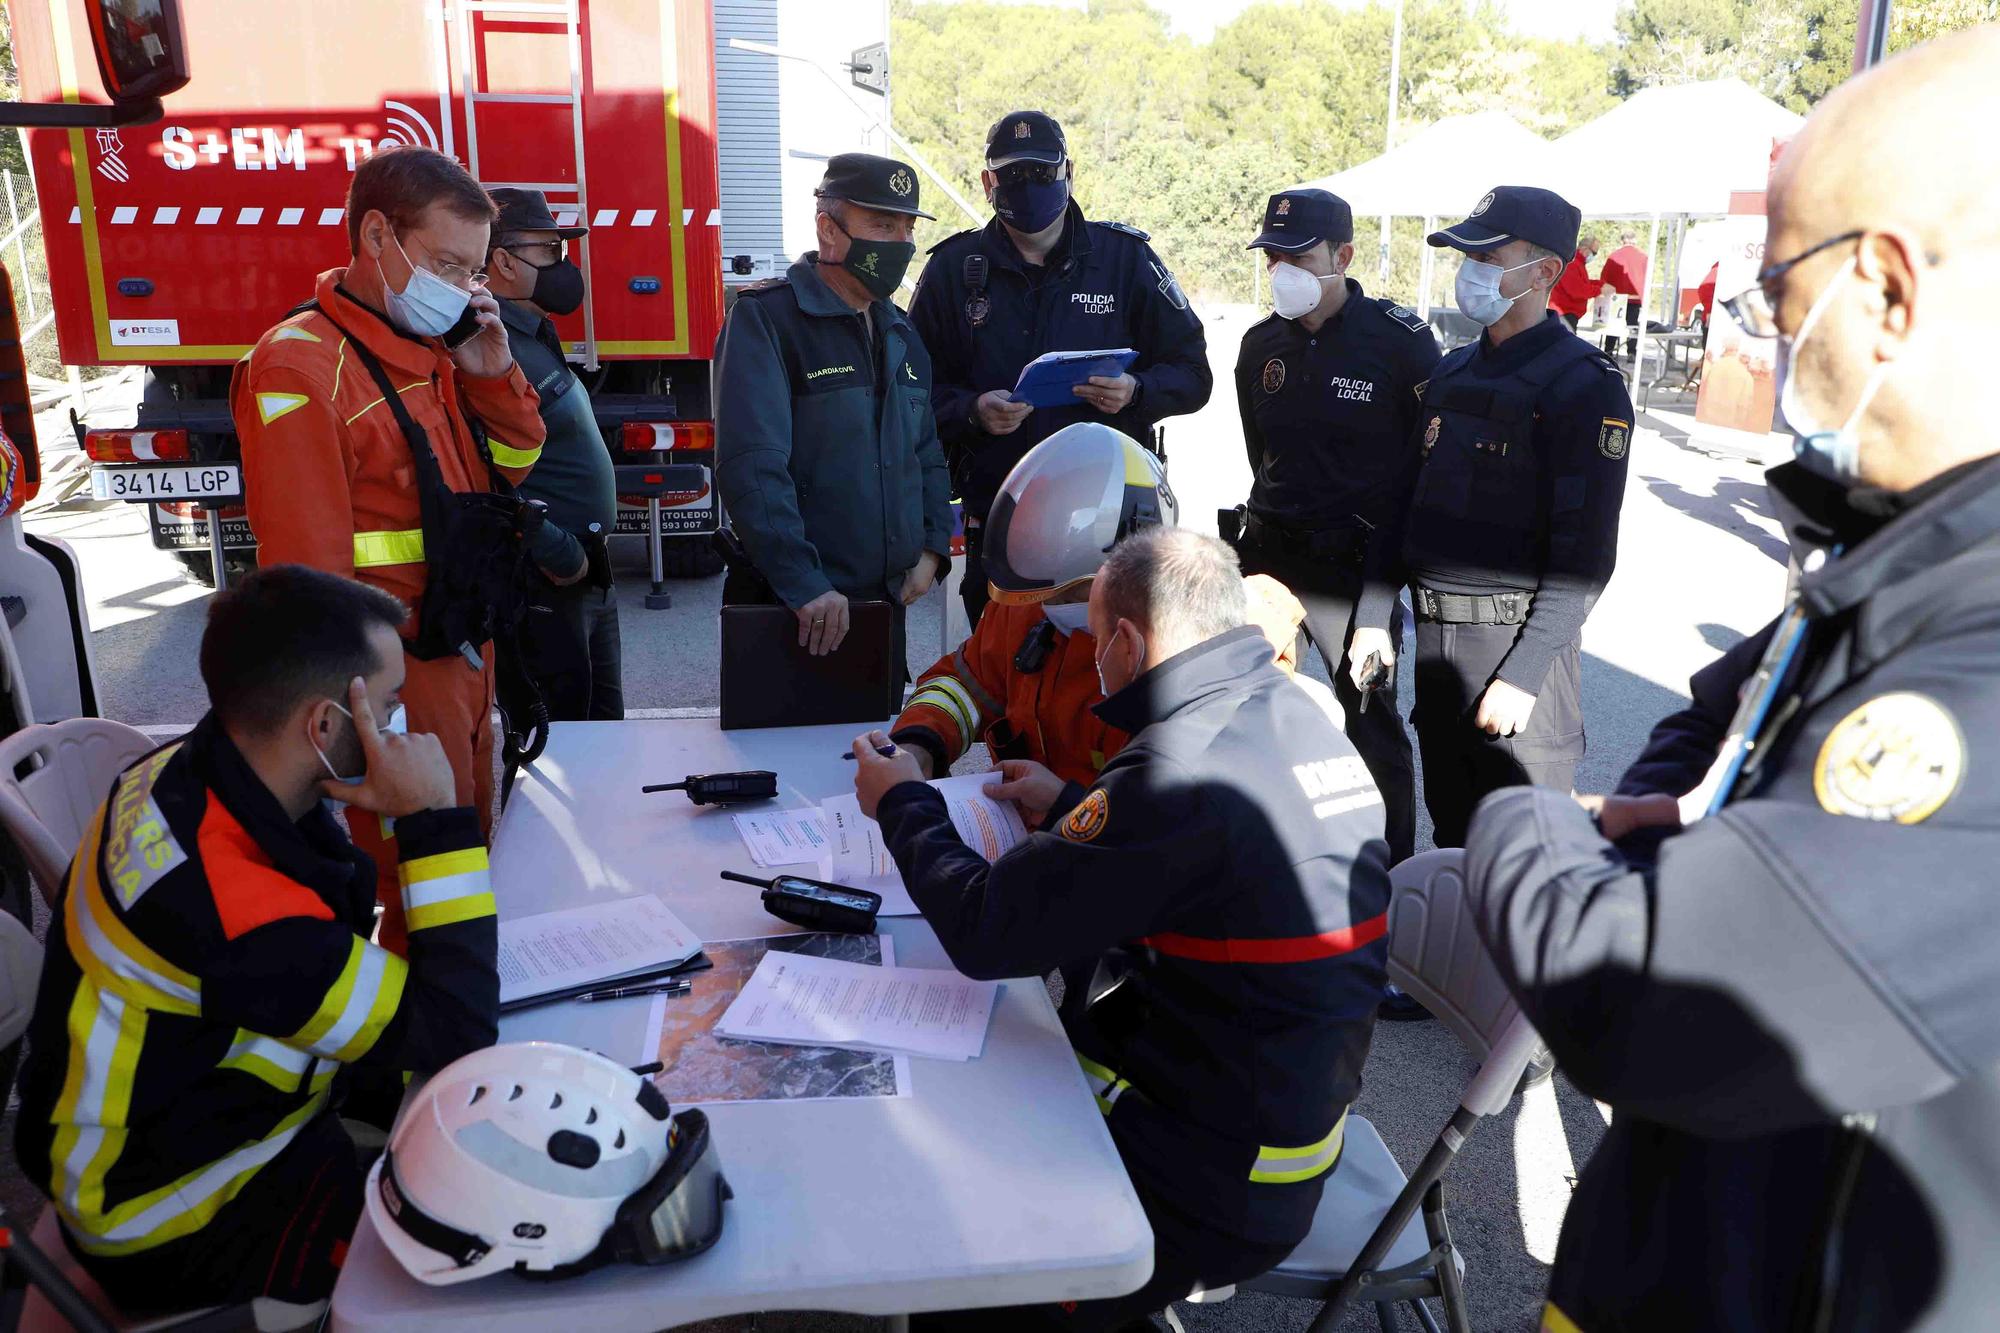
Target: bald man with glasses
{"type": "Point", "coordinates": [1774, 950]}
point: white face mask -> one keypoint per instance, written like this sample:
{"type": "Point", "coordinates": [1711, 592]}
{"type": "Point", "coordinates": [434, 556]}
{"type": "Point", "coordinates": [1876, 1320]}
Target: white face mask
{"type": "Point", "coordinates": [397, 725]}
{"type": "Point", "coordinates": [1295, 292]}
{"type": "Point", "coordinates": [1833, 454]}
{"type": "Point", "coordinates": [1104, 687]}
{"type": "Point", "coordinates": [1478, 291]}
{"type": "Point", "coordinates": [1069, 617]}
{"type": "Point", "coordinates": [428, 305]}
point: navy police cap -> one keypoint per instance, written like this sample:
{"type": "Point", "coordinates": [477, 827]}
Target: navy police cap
{"type": "Point", "coordinates": [1025, 136]}
{"type": "Point", "coordinates": [1296, 220]}
{"type": "Point", "coordinates": [1511, 212]}
{"type": "Point", "coordinates": [880, 183]}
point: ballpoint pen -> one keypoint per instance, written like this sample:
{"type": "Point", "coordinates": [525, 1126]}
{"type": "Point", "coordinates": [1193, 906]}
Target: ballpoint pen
{"type": "Point", "coordinates": [678, 987]}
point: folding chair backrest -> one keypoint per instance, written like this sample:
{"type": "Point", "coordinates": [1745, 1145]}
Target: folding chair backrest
{"type": "Point", "coordinates": [58, 775]}
{"type": "Point", "coordinates": [20, 975]}
{"type": "Point", "coordinates": [1437, 957]}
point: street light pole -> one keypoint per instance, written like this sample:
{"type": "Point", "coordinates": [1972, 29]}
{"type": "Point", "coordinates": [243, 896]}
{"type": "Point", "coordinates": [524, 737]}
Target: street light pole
{"type": "Point", "coordinates": [1395, 82]}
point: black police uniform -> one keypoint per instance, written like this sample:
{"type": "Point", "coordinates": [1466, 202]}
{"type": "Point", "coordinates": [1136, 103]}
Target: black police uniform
{"type": "Point", "coordinates": [1329, 417]}
{"type": "Point", "coordinates": [1225, 874]}
{"type": "Point", "coordinates": [985, 313]}
{"type": "Point", "coordinates": [1792, 1013]}
{"type": "Point", "coordinates": [1511, 533]}
{"type": "Point", "coordinates": [826, 454]}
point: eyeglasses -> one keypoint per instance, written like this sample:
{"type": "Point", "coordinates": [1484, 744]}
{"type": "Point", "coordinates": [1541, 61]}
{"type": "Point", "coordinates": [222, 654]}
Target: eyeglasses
{"type": "Point", "coordinates": [458, 275]}
{"type": "Point", "coordinates": [1753, 309]}
{"type": "Point", "coordinates": [559, 251]}
{"type": "Point", "coordinates": [1034, 173]}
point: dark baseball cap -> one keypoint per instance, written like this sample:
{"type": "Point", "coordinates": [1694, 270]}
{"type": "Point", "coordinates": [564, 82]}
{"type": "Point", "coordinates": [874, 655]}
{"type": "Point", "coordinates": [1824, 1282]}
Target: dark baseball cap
{"type": "Point", "coordinates": [1025, 136]}
{"type": "Point", "coordinates": [1516, 212]}
{"type": "Point", "coordinates": [1296, 220]}
{"type": "Point", "coordinates": [528, 210]}
{"type": "Point", "coordinates": [881, 183]}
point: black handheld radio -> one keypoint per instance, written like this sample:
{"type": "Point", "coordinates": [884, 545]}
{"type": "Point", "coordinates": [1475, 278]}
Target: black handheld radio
{"type": "Point", "coordinates": [815, 905]}
{"type": "Point", "coordinates": [723, 788]}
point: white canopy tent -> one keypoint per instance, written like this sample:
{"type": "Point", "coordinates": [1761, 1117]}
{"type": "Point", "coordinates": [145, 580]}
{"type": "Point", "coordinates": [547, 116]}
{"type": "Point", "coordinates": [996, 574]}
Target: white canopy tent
{"type": "Point", "coordinates": [1676, 153]}
{"type": "Point", "coordinates": [1441, 171]}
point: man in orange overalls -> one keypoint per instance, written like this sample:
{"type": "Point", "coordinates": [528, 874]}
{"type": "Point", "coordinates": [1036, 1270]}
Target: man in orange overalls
{"type": "Point", "coordinates": [329, 475]}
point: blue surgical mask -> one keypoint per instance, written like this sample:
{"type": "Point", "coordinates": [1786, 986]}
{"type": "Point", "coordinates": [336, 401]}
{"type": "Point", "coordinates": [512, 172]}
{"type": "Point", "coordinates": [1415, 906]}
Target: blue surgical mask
{"type": "Point", "coordinates": [1069, 617]}
{"type": "Point", "coordinates": [1030, 207]}
{"type": "Point", "coordinates": [428, 305]}
{"type": "Point", "coordinates": [397, 725]}
{"type": "Point", "coordinates": [1834, 454]}
{"type": "Point", "coordinates": [1477, 289]}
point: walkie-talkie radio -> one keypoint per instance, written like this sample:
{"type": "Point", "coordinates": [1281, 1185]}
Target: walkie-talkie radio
{"type": "Point", "coordinates": [816, 905]}
{"type": "Point", "coordinates": [723, 788]}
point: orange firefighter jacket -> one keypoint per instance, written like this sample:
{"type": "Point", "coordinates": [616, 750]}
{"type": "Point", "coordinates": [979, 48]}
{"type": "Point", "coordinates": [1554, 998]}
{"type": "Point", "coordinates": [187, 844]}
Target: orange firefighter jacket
{"type": "Point", "coordinates": [328, 477]}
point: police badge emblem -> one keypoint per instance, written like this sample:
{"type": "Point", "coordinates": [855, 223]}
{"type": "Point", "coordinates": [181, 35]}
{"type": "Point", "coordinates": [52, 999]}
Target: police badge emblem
{"type": "Point", "coordinates": [1898, 757]}
{"type": "Point", "coordinates": [1088, 819]}
{"type": "Point", "coordinates": [1431, 434]}
{"type": "Point", "coordinates": [1484, 204]}
{"type": "Point", "coordinates": [901, 183]}
{"type": "Point", "coordinates": [1021, 129]}
{"type": "Point", "coordinates": [1274, 375]}
{"type": "Point", "coordinates": [1613, 437]}
{"type": "Point", "coordinates": [977, 308]}
{"type": "Point", "coordinates": [1284, 207]}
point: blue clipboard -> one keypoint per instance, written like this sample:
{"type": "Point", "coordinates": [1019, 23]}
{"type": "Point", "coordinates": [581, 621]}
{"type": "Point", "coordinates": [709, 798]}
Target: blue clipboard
{"type": "Point", "coordinates": [1047, 380]}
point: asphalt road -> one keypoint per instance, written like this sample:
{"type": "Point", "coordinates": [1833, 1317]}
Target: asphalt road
{"type": "Point", "coordinates": [1700, 565]}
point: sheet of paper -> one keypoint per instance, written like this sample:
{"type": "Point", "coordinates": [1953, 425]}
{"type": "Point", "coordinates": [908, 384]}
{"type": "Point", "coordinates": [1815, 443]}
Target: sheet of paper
{"type": "Point", "coordinates": [798, 999]}
{"type": "Point", "coordinates": [783, 837]}
{"type": "Point", "coordinates": [857, 857]}
{"type": "Point", "coordinates": [700, 1066]}
{"type": "Point", "coordinates": [581, 945]}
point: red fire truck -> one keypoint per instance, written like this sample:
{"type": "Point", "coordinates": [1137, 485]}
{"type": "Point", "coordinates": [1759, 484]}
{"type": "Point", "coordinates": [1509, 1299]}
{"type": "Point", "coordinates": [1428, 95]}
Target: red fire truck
{"type": "Point", "coordinates": [174, 245]}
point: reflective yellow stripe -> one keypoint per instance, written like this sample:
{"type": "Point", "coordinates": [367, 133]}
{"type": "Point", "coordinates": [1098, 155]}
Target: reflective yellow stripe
{"type": "Point", "coordinates": [1105, 1086]}
{"type": "Point", "coordinates": [266, 1058]}
{"type": "Point", "coordinates": [190, 1203]}
{"type": "Point", "coordinates": [109, 953]}
{"type": "Point", "coordinates": [388, 548]}
{"type": "Point", "coordinates": [450, 913]}
{"type": "Point", "coordinates": [445, 889]}
{"type": "Point", "coordinates": [1555, 1321]}
{"type": "Point", "coordinates": [1283, 1166]}
{"type": "Point", "coordinates": [441, 866]}
{"type": "Point", "coordinates": [357, 1006]}
{"type": "Point", "coordinates": [506, 455]}
{"type": "Point", "coordinates": [399, 393]}
{"type": "Point", "coordinates": [949, 697]}
{"type": "Point", "coordinates": [105, 1034]}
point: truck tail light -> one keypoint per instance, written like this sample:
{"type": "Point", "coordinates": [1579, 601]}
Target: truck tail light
{"type": "Point", "coordinates": [137, 446]}
{"type": "Point", "coordinates": [646, 437]}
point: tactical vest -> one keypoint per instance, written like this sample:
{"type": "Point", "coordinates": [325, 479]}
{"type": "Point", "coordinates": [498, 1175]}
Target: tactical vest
{"type": "Point", "coordinates": [1481, 506]}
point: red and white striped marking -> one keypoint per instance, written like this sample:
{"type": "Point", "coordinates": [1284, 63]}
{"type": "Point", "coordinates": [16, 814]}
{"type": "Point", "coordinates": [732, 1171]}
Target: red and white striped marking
{"type": "Point", "coordinates": [168, 215]}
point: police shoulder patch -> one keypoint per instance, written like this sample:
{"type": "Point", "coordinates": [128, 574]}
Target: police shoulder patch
{"type": "Point", "coordinates": [1125, 227]}
{"type": "Point", "coordinates": [1407, 317]}
{"type": "Point", "coordinates": [1274, 374]}
{"type": "Point", "coordinates": [1088, 819]}
{"type": "Point", "coordinates": [1900, 757]}
{"type": "Point", "coordinates": [1614, 437]}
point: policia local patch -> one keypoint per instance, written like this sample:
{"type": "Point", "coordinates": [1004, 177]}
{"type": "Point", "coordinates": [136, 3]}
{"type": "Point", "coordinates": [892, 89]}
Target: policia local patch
{"type": "Point", "coordinates": [1092, 813]}
{"type": "Point", "coordinates": [1898, 756]}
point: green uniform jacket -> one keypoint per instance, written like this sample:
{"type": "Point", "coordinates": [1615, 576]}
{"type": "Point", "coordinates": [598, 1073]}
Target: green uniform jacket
{"type": "Point", "coordinates": [827, 456]}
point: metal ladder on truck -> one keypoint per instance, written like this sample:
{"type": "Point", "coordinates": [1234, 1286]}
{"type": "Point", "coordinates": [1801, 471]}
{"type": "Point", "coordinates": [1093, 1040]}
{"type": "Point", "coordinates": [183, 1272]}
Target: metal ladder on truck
{"type": "Point", "coordinates": [563, 18]}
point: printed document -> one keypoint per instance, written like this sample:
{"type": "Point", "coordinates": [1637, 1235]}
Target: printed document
{"type": "Point", "coordinates": [797, 999]}
{"type": "Point", "coordinates": [856, 856]}
{"type": "Point", "coordinates": [783, 837]}
{"type": "Point", "coordinates": [581, 946]}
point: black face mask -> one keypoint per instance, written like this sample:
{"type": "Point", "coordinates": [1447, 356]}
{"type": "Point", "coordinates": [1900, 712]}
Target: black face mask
{"type": "Point", "coordinates": [558, 286]}
{"type": "Point", "coordinates": [877, 265]}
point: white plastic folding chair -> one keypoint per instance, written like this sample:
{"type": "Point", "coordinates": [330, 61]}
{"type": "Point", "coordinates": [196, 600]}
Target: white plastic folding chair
{"type": "Point", "coordinates": [1365, 1243]}
{"type": "Point", "coordinates": [53, 778]}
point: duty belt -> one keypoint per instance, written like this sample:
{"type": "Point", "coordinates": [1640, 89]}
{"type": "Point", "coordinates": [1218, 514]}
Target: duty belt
{"type": "Point", "coordinates": [1450, 608]}
{"type": "Point", "coordinates": [1339, 543]}
{"type": "Point", "coordinates": [1274, 1165]}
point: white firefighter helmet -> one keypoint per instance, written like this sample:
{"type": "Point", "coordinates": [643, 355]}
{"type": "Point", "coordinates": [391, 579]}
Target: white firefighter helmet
{"type": "Point", "coordinates": [1068, 501]}
{"type": "Point", "coordinates": [547, 1158]}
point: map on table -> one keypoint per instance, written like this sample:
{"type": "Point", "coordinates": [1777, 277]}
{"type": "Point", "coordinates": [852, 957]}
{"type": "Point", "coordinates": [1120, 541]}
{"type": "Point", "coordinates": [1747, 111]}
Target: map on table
{"type": "Point", "coordinates": [700, 1066]}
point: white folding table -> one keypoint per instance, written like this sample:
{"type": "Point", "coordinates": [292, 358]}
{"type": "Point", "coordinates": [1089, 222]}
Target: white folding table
{"type": "Point", "coordinates": [994, 1183]}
